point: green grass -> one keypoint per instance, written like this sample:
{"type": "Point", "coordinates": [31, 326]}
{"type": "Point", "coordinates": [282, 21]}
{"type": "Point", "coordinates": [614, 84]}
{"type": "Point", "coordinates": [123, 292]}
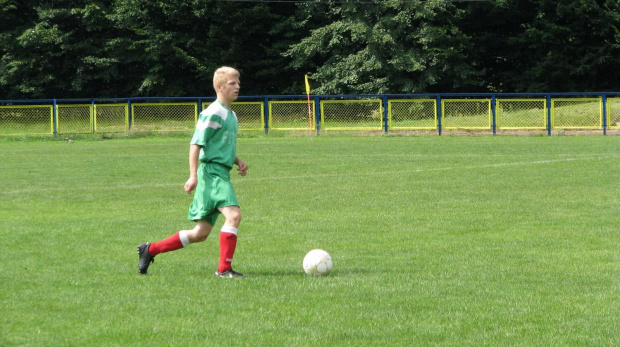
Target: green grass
{"type": "Point", "coordinates": [461, 241]}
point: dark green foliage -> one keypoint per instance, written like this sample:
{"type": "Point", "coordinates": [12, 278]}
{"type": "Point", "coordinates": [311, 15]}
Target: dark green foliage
{"type": "Point", "coordinates": [547, 46]}
{"type": "Point", "coordinates": [138, 47]}
{"type": "Point", "coordinates": [119, 48]}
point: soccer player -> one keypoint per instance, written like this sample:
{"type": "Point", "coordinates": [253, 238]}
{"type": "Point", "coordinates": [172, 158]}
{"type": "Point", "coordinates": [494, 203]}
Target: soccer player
{"type": "Point", "coordinates": [212, 154]}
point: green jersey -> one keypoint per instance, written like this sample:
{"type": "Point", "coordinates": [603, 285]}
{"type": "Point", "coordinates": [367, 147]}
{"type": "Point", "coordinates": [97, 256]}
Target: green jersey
{"type": "Point", "coordinates": [216, 134]}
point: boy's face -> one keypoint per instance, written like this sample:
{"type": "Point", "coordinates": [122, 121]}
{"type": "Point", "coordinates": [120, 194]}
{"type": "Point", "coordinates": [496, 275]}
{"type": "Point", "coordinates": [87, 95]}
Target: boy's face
{"type": "Point", "coordinates": [230, 90]}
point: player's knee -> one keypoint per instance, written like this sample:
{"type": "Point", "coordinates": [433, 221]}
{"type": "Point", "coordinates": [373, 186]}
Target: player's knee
{"type": "Point", "coordinates": [201, 236]}
{"type": "Point", "coordinates": [234, 218]}
{"type": "Point", "coordinates": [200, 232]}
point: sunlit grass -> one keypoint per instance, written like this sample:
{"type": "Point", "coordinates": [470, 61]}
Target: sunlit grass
{"type": "Point", "coordinates": [435, 240]}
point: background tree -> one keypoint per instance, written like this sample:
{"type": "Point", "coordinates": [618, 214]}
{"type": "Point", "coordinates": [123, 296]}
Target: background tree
{"type": "Point", "coordinates": [545, 45]}
{"type": "Point", "coordinates": [49, 49]}
{"type": "Point", "coordinates": [172, 49]}
{"type": "Point", "coordinates": [386, 47]}
{"type": "Point", "coordinates": [119, 48]}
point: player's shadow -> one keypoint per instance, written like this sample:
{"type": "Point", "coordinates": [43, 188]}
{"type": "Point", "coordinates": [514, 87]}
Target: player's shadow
{"type": "Point", "coordinates": [287, 273]}
{"type": "Point", "coordinates": [301, 273]}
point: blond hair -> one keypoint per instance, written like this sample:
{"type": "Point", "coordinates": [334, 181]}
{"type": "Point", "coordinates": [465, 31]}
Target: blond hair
{"type": "Point", "coordinates": [220, 77]}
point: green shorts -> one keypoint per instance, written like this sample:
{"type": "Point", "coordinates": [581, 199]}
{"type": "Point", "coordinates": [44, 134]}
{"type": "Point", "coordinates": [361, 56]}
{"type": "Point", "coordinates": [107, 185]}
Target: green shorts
{"type": "Point", "coordinates": [213, 191]}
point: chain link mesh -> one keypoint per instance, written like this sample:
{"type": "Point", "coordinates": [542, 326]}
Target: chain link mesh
{"type": "Point", "coordinates": [351, 114]}
{"type": "Point", "coordinates": [250, 115]}
{"type": "Point", "coordinates": [521, 114]}
{"type": "Point", "coordinates": [577, 113]}
{"type": "Point", "coordinates": [26, 120]}
{"type": "Point", "coordinates": [164, 117]}
{"type": "Point", "coordinates": [466, 114]}
{"type": "Point", "coordinates": [111, 118]}
{"type": "Point", "coordinates": [613, 113]}
{"type": "Point", "coordinates": [412, 114]}
{"type": "Point", "coordinates": [74, 119]}
{"type": "Point", "coordinates": [291, 115]}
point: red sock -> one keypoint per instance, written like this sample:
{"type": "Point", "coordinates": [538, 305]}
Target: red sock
{"type": "Point", "coordinates": [171, 243]}
{"type": "Point", "coordinates": [228, 243]}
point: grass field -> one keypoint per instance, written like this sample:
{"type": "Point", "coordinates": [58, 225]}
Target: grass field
{"type": "Point", "coordinates": [457, 241]}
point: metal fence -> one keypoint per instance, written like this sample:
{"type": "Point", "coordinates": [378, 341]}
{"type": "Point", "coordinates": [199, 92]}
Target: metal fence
{"type": "Point", "coordinates": [485, 113]}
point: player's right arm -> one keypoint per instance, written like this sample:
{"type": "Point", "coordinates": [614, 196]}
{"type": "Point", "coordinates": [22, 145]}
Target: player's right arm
{"type": "Point", "coordinates": [194, 153]}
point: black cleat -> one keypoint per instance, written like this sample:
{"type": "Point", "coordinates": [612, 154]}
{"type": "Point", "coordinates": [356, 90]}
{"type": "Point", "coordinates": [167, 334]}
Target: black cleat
{"type": "Point", "coordinates": [145, 257]}
{"type": "Point", "coordinates": [229, 274]}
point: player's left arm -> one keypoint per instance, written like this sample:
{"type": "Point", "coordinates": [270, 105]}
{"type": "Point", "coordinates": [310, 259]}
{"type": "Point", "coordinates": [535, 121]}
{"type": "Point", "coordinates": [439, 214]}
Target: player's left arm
{"type": "Point", "coordinates": [242, 166]}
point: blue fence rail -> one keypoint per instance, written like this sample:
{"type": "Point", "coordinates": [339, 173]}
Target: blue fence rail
{"type": "Point", "coordinates": [483, 112]}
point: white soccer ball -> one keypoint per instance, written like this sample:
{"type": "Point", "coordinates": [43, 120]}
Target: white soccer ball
{"type": "Point", "coordinates": [317, 263]}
